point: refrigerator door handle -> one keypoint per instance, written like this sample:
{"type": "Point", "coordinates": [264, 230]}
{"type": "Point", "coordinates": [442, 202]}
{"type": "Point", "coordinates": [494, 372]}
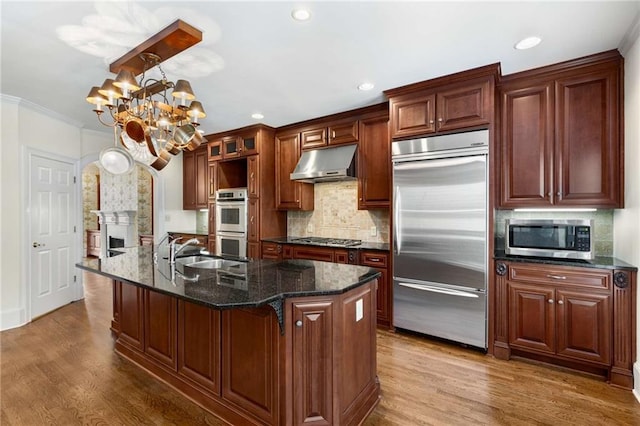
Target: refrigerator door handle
{"type": "Point", "coordinates": [450, 292]}
{"type": "Point", "coordinates": [397, 238]}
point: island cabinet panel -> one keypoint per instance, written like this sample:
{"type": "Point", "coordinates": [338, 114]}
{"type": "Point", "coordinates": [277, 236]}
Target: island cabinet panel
{"type": "Point", "coordinates": [250, 346]}
{"type": "Point", "coordinates": [160, 320]}
{"type": "Point", "coordinates": [131, 315]}
{"type": "Point", "coordinates": [561, 135]}
{"type": "Point", "coordinates": [312, 369]}
{"type": "Point", "coordinates": [199, 345]}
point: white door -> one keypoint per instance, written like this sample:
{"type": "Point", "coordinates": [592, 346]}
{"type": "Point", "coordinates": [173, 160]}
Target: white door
{"type": "Point", "coordinates": [52, 204]}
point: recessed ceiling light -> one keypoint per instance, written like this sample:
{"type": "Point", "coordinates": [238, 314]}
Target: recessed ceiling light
{"type": "Point", "coordinates": [300, 14]}
{"type": "Point", "coordinates": [257, 116]}
{"type": "Point", "coordinates": [528, 43]}
{"type": "Point", "coordinates": [365, 86]}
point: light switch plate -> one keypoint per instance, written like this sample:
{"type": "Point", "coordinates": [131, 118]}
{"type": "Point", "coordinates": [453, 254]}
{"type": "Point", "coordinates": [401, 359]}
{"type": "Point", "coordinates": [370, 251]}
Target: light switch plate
{"type": "Point", "coordinates": [373, 231]}
{"type": "Point", "coordinates": [310, 228]}
{"type": "Point", "coordinates": [359, 310]}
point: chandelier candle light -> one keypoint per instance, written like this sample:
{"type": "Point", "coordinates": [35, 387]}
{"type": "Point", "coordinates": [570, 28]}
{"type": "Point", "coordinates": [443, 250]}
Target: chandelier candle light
{"type": "Point", "coordinates": [150, 125]}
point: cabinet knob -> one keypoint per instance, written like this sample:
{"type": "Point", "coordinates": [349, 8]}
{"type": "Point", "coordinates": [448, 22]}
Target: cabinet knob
{"type": "Point", "coordinates": [440, 120]}
{"type": "Point", "coordinates": [559, 193]}
{"type": "Point", "coordinates": [430, 121]}
{"type": "Point", "coordinates": [550, 300]}
{"type": "Point", "coordinates": [560, 302]}
{"type": "Point", "coordinates": [299, 323]}
{"type": "Point", "coordinates": [251, 219]}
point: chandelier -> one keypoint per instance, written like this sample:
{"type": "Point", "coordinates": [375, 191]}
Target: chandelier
{"type": "Point", "coordinates": [150, 125]}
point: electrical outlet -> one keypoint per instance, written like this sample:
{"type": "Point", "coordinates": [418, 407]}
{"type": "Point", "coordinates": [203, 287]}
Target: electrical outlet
{"type": "Point", "coordinates": [373, 231]}
{"type": "Point", "coordinates": [359, 310]}
{"type": "Point", "coordinates": [310, 228]}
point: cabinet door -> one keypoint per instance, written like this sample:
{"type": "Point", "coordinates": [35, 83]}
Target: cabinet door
{"type": "Point", "coordinates": [532, 317]}
{"type": "Point", "coordinates": [464, 106]}
{"type": "Point", "coordinates": [290, 195]}
{"type": "Point", "coordinates": [584, 325]}
{"type": "Point", "coordinates": [253, 187]}
{"type": "Point", "coordinates": [214, 149]}
{"type": "Point", "coordinates": [131, 316]}
{"type": "Point", "coordinates": [312, 366]}
{"type": "Point", "coordinates": [588, 166]}
{"type": "Point", "coordinates": [160, 318]}
{"type": "Point", "coordinates": [202, 179]}
{"type": "Point", "coordinates": [212, 219]}
{"type": "Point", "coordinates": [380, 261]}
{"type": "Point", "coordinates": [254, 222]}
{"type": "Point", "coordinates": [253, 250]}
{"type": "Point", "coordinates": [250, 359]}
{"type": "Point", "coordinates": [313, 138]}
{"type": "Point", "coordinates": [212, 178]}
{"type": "Point", "coordinates": [231, 146]}
{"type": "Point", "coordinates": [374, 162]}
{"type": "Point", "coordinates": [199, 345]}
{"type": "Point", "coordinates": [413, 115]}
{"type": "Point", "coordinates": [313, 253]}
{"type": "Point", "coordinates": [211, 246]}
{"type": "Point", "coordinates": [527, 146]}
{"type": "Point", "coordinates": [271, 251]}
{"type": "Point", "coordinates": [249, 143]}
{"type": "Point", "coordinates": [189, 180]}
{"type": "Point", "coordinates": [343, 132]}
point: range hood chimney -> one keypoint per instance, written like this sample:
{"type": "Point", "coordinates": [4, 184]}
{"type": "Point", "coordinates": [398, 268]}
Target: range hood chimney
{"type": "Point", "coordinates": [326, 165]}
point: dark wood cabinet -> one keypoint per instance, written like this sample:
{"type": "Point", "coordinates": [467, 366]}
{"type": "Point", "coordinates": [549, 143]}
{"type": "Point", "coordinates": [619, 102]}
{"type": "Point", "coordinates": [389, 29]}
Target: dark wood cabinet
{"type": "Point", "coordinates": [195, 179]}
{"type": "Point", "coordinates": [93, 242]}
{"type": "Point", "coordinates": [253, 176]}
{"type": "Point", "coordinates": [561, 137]}
{"type": "Point", "coordinates": [380, 261]}
{"type": "Point", "coordinates": [459, 101]}
{"type": "Point", "coordinates": [312, 368]}
{"type": "Point", "coordinates": [212, 177]}
{"type": "Point", "coordinates": [334, 133]}
{"type": "Point", "coordinates": [271, 250]}
{"type": "Point", "coordinates": [374, 163]}
{"type": "Point", "coordinates": [214, 150]}
{"type": "Point", "coordinates": [131, 315]}
{"type": "Point", "coordinates": [199, 345]}
{"type": "Point", "coordinates": [574, 316]}
{"type": "Point", "coordinates": [253, 224]}
{"type": "Point", "coordinates": [160, 328]}
{"type": "Point", "coordinates": [240, 145]}
{"type": "Point", "coordinates": [290, 195]}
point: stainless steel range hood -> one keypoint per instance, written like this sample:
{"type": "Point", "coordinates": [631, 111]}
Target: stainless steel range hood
{"type": "Point", "coordinates": [326, 165]}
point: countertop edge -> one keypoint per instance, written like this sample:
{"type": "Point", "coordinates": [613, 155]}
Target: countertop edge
{"type": "Point", "coordinates": [611, 263]}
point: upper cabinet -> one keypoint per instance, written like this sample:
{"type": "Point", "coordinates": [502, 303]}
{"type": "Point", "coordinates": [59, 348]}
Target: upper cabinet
{"type": "Point", "coordinates": [374, 166]}
{"type": "Point", "coordinates": [455, 102]}
{"type": "Point", "coordinates": [234, 144]}
{"type": "Point", "coordinates": [290, 195]}
{"type": "Point", "coordinates": [561, 136]}
{"type": "Point", "coordinates": [195, 181]}
{"type": "Point", "coordinates": [335, 133]}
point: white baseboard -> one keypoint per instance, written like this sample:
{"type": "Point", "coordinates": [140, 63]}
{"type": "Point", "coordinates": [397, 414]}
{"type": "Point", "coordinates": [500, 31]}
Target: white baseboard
{"type": "Point", "coordinates": [12, 318]}
{"type": "Point", "coordinates": [636, 380]}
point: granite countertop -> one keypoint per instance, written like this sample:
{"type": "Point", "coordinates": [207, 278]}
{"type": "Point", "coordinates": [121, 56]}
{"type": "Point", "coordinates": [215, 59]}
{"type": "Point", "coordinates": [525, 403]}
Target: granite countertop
{"type": "Point", "coordinates": [601, 262]}
{"type": "Point", "coordinates": [365, 245]}
{"type": "Point", "coordinates": [249, 284]}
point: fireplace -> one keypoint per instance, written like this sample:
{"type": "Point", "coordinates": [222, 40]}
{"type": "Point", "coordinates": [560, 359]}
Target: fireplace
{"type": "Point", "coordinates": [117, 229]}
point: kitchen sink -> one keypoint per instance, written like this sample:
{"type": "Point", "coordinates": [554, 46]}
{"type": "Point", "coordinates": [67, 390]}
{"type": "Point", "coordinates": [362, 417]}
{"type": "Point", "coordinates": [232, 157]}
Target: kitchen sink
{"type": "Point", "coordinates": [204, 262]}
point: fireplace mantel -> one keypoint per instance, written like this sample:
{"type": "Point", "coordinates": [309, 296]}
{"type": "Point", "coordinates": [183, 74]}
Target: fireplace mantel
{"type": "Point", "coordinates": [117, 224]}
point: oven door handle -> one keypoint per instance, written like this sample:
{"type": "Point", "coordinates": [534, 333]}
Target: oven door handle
{"type": "Point", "coordinates": [431, 289]}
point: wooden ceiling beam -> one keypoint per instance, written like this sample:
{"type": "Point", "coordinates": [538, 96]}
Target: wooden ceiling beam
{"type": "Point", "coordinates": [168, 42]}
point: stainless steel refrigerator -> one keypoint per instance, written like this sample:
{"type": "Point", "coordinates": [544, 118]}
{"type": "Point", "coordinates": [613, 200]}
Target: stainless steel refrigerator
{"type": "Point", "coordinates": [440, 236]}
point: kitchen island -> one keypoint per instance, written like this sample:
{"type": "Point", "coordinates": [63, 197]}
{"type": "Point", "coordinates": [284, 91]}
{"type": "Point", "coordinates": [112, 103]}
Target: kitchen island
{"type": "Point", "coordinates": [259, 342]}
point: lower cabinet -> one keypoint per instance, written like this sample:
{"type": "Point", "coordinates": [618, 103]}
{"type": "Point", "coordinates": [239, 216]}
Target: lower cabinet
{"type": "Point", "coordinates": [574, 316]}
{"type": "Point", "coordinates": [319, 368]}
{"type": "Point", "coordinates": [380, 261]}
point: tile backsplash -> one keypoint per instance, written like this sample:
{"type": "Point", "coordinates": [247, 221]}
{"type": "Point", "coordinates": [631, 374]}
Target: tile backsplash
{"type": "Point", "coordinates": [603, 225]}
{"type": "Point", "coordinates": [336, 215]}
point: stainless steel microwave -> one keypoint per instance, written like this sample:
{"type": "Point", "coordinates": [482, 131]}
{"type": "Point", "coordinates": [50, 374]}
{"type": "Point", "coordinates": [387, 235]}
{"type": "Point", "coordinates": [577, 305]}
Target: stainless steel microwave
{"type": "Point", "coordinates": [569, 239]}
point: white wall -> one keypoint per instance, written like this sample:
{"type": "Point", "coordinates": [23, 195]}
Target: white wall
{"type": "Point", "coordinates": [627, 221]}
{"type": "Point", "coordinates": [175, 219]}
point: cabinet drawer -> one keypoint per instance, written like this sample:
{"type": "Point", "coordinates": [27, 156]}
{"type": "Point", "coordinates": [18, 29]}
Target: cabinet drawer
{"type": "Point", "coordinates": [375, 259]}
{"type": "Point", "coordinates": [559, 275]}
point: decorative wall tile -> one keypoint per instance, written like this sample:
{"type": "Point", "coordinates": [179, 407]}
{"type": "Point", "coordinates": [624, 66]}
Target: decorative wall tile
{"type": "Point", "coordinates": [336, 215]}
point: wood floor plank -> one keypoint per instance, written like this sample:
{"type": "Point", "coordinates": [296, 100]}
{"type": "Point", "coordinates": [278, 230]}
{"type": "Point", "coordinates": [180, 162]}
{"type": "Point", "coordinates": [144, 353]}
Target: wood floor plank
{"type": "Point", "coordinates": [61, 370]}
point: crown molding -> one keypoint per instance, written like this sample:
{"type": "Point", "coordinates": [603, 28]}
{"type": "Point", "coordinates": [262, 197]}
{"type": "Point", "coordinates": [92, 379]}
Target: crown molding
{"type": "Point", "coordinates": [40, 109]}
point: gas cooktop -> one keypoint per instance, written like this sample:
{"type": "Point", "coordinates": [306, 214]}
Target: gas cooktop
{"type": "Point", "coordinates": [333, 242]}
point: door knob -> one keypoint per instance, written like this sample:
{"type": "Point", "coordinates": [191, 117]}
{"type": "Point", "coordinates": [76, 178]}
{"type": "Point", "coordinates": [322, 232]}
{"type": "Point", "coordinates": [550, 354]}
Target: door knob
{"type": "Point", "coordinates": [37, 245]}
{"type": "Point", "coordinates": [299, 323]}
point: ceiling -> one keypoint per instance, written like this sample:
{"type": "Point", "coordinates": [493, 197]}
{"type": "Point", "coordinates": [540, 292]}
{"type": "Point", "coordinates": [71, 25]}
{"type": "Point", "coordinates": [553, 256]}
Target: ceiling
{"type": "Point", "coordinates": [255, 58]}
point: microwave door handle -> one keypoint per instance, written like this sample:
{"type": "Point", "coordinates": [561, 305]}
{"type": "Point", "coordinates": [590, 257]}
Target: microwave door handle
{"type": "Point", "coordinates": [450, 292]}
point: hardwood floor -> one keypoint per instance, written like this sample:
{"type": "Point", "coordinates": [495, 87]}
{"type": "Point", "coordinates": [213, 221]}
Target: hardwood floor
{"type": "Point", "coordinates": [61, 370]}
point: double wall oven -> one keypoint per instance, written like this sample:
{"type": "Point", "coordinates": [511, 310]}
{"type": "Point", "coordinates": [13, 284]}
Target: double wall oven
{"type": "Point", "coordinates": [231, 222]}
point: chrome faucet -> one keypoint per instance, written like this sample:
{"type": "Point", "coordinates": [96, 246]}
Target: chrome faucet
{"type": "Point", "coordinates": [173, 250]}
